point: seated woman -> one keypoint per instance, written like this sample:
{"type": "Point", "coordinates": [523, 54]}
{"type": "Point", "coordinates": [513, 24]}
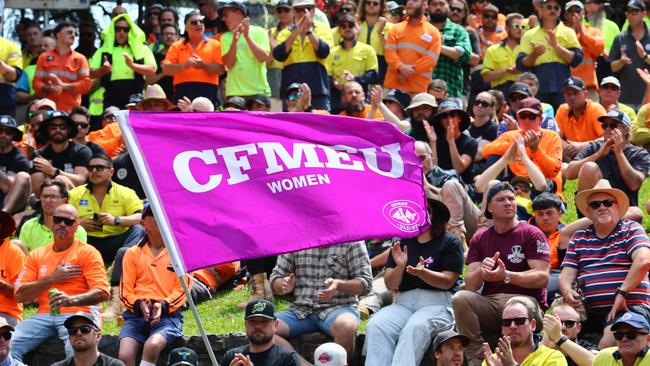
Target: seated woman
{"type": "Point", "coordinates": [424, 270]}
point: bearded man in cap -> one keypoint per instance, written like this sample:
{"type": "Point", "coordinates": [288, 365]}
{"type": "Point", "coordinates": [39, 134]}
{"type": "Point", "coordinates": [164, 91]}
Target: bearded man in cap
{"type": "Point", "coordinates": [622, 248]}
{"type": "Point", "coordinates": [85, 334]}
{"type": "Point", "coordinates": [14, 167]}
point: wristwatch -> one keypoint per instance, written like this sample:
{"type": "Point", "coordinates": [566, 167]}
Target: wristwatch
{"type": "Point", "coordinates": [118, 221]}
{"type": "Point", "coordinates": [562, 339]}
{"type": "Point", "coordinates": [309, 32]}
{"type": "Point", "coordinates": [506, 278]}
{"type": "Point", "coordinates": [620, 292]}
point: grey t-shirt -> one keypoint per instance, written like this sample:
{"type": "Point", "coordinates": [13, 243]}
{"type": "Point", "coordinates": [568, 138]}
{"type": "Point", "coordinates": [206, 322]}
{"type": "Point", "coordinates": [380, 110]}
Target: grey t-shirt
{"type": "Point", "coordinates": [632, 87]}
{"type": "Point", "coordinates": [102, 360]}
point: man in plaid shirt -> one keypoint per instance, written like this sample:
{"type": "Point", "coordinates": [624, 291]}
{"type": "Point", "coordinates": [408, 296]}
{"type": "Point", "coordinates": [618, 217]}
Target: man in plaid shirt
{"type": "Point", "coordinates": [325, 283]}
{"type": "Point", "coordinates": [456, 49]}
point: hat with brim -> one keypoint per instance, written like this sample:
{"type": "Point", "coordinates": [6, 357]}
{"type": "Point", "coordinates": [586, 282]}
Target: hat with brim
{"type": "Point", "coordinates": [491, 8]}
{"type": "Point", "coordinates": [5, 324]}
{"type": "Point", "coordinates": [636, 5]}
{"type": "Point", "coordinates": [520, 179]}
{"type": "Point", "coordinates": [443, 337]}
{"type": "Point", "coordinates": [80, 315]}
{"type": "Point", "coordinates": [44, 103]}
{"type": "Point", "coordinates": [399, 97]}
{"type": "Point", "coordinates": [233, 5]}
{"type": "Point", "coordinates": [7, 225]}
{"type": "Point", "coordinates": [304, 3]}
{"type": "Point", "coordinates": [420, 100]}
{"type": "Point", "coordinates": [346, 19]}
{"type": "Point", "coordinates": [259, 98]}
{"type": "Point", "coordinates": [617, 116]}
{"type": "Point", "coordinates": [634, 320]}
{"type": "Point", "coordinates": [72, 126]}
{"type": "Point", "coordinates": [293, 86]}
{"type": "Point", "coordinates": [602, 186]}
{"type": "Point", "coordinates": [154, 93]}
{"type": "Point", "coordinates": [573, 3]}
{"type": "Point", "coordinates": [9, 121]}
{"type": "Point", "coordinates": [451, 106]}
{"type": "Point", "coordinates": [235, 102]}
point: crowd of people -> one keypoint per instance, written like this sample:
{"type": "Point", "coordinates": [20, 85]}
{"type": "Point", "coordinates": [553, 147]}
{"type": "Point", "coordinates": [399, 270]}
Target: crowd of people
{"type": "Point", "coordinates": [504, 109]}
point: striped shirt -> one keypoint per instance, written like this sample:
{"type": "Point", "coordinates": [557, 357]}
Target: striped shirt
{"type": "Point", "coordinates": [313, 266]}
{"type": "Point", "coordinates": [603, 264]}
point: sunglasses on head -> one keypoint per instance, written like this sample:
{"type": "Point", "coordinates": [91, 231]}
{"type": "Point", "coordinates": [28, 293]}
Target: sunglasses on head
{"type": "Point", "coordinates": [6, 335]}
{"type": "Point", "coordinates": [518, 322]}
{"type": "Point", "coordinates": [612, 125]}
{"type": "Point", "coordinates": [527, 115]}
{"type": "Point", "coordinates": [98, 168]}
{"type": "Point", "coordinates": [489, 16]}
{"type": "Point", "coordinates": [196, 21]}
{"type": "Point", "coordinates": [631, 335]}
{"type": "Point", "coordinates": [569, 323]}
{"type": "Point", "coordinates": [449, 114]}
{"type": "Point", "coordinates": [454, 9]}
{"type": "Point", "coordinates": [552, 7]}
{"type": "Point", "coordinates": [283, 9]}
{"type": "Point", "coordinates": [84, 329]}
{"type": "Point", "coordinates": [596, 204]}
{"type": "Point", "coordinates": [483, 103]}
{"type": "Point", "coordinates": [42, 113]}
{"type": "Point", "coordinates": [65, 220]}
{"type": "Point", "coordinates": [122, 29]}
{"type": "Point", "coordinates": [294, 96]}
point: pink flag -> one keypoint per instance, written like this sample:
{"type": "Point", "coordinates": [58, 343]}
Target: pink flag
{"type": "Point", "coordinates": [245, 185]}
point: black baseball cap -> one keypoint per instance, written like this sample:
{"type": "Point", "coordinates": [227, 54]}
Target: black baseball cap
{"type": "Point", "coordinates": [447, 335]}
{"type": "Point", "coordinates": [399, 97]}
{"type": "Point", "coordinates": [183, 356]}
{"type": "Point", "coordinates": [496, 188]}
{"type": "Point", "coordinates": [260, 309]}
{"type": "Point", "coordinates": [520, 88]}
{"type": "Point", "coordinates": [9, 121]}
{"type": "Point", "coordinates": [636, 4]}
{"type": "Point", "coordinates": [574, 82]}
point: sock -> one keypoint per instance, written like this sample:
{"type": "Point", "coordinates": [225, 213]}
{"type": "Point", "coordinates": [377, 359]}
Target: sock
{"type": "Point", "coordinates": [146, 363]}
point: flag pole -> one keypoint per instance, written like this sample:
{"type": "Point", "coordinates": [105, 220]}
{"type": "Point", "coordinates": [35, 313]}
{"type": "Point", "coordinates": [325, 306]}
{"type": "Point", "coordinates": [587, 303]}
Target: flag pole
{"type": "Point", "coordinates": [161, 219]}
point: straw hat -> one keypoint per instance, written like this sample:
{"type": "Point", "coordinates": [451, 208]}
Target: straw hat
{"type": "Point", "coordinates": [602, 186]}
{"type": "Point", "coordinates": [154, 92]}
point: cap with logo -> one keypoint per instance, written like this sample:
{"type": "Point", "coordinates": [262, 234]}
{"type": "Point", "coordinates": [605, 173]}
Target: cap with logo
{"type": "Point", "coordinates": [330, 354]}
{"type": "Point", "coordinates": [183, 356]}
{"type": "Point", "coordinates": [399, 97]}
{"type": "Point", "coordinates": [72, 126]}
{"type": "Point", "coordinates": [574, 82]}
{"type": "Point", "coordinates": [635, 320]}
{"type": "Point", "coordinates": [9, 121]}
{"type": "Point", "coordinates": [532, 105]}
{"type": "Point", "coordinates": [636, 5]}
{"type": "Point", "coordinates": [610, 80]}
{"type": "Point", "coordinates": [618, 116]}
{"type": "Point", "coordinates": [260, 309]}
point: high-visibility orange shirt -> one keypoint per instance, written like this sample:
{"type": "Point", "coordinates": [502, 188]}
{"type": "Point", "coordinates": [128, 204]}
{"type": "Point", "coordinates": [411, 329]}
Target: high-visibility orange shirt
{"type": "Point", "coordinates": [585, 128]}
{"type": "Point", "coordinates": [147, 277]}
{"type": "Point", "coordinates": [412, 44]}
{"type": "Point", "coordinates": [548, 156]}
{"type": "Point", "coordinates": [476, 21]}
{"type": "Point", "coordinates": [593, 44]}
{"type": "Point", "coordinates": [109, 137]}
{"type": "Point", "coordinates": [217, 275]}
{"type": "Point", "coordinates": [42, 262]}
{"type": "Point", "coordinates": [69, 68]}
{"type": "Point", "coordinates": [12, 260]}
{"type": "Point", "coordinates": [495, 37]}
{"type": "Point", "coordinates": [210, 52]}
{"type": "Point", "coordinates": [364, 113]}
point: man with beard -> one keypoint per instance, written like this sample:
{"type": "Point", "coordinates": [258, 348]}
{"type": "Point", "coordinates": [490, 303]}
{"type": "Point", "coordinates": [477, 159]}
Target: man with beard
{"type": "Point", "coordinates": [412, 50]}
{"type": "Point", "coordinates": [351, 60]}
{"type": "Point", "coordinates": [260, 323]}
{"type": "Point", "coordinates": [499, 67]}
{"type": "Point", "coordinates": [597, 18]}
{"type": "Point", "coordinates": [354, 103]}
{"type": "Point", "coordinates": [517, 345]}
{"type": "Point", "coordinates": [14, 168]}
{"type": "Point", "coordinates": [455, 50]}
{"type": "Point", "coordinates": [61, 159]}
{"type": "Point", "coordinates": [448, 348]}
{"type": "Point", "coordinates": [85, 334]}
{"type": "Point", "coordinates": [490, 33]}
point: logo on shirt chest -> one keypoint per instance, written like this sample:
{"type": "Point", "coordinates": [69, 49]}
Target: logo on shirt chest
{"type": "Point", "coordinates": [67, 167]}
{"type": "Point", "coordinates": [516, 256]}
{"type": "Point", "coordinates": [83, 203]}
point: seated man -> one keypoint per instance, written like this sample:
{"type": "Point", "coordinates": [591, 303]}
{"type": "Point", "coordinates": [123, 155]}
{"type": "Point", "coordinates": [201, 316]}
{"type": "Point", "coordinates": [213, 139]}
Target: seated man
{"type": "Point", "coordinates": [5, 345]}
{"type": "Point", "coordinates": [353, 103]}
{"type": "Point", "coordinates": [65, 276]}
{"type": "Point", "coordinates": [325, 282]}
{"type": "Point", "coordinates": [14, 168]}
{"type": "Point", "coordinates": [631, 334]}
{"type": "Point", "coordinates": [12, 260]}
{"type": "Point", "coordinates": [614, 158]}
{"type": "Point", "coordinates": [61, 159]}
{"type": "Point", "coordinates": [518, 345]}
{"type": "Point", "coordinates": [85, 333]}
{"type": "Point", "coordinates": [610, 259]}
{"type": "Point", "coordinates": [153, 297]}
{"type": "Point", "coordinates": [509, 259]}
{"type": "Point", "coordinates": [561, 332]}
{"type": "Point", "coordinates": [448, 348]}
{"type": "Point", "coordinates": [38, 231]}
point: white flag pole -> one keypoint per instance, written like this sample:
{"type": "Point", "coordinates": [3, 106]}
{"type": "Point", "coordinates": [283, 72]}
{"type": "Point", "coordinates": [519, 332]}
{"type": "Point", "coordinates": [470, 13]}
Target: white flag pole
{"type": "Point", "coordinates": [161, 219]}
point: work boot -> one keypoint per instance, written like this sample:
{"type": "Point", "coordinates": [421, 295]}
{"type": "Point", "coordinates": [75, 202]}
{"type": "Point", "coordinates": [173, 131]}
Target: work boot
{"type": "Point", "coordinates": [114, 308]}
{"type": "Point", "coordinates": [260, 289]}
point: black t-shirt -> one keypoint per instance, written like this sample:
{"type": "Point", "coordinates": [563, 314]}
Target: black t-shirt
{"type": "Point", "coordinates": [440, 254]}
{"type": "Point", "coordinates": [102, 360]}
{"type": "Point", "coordinates": [274, 356]}
{"type": "Point", "coordinates": [96, 149]}
{"type": "Point", "coordinates": [73, 156]}
{"type": "Point", "coordinates": [638, 157]}
{"type": "Point", "coordinates": [486, 132]}
{"type": "Point", "coordinates": [14, 161]}
{"type": "Point", "coordinates": [126, 175]}
{"type": "Point", "coordinates": [466, 146]}
{"type": "Point", "coordinates": [166, 82]}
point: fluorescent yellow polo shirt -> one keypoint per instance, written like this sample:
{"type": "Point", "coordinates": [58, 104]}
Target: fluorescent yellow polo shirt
{"type": "Point", "coordinates": [119, 201]}
{"type": "Point", "coordinates": [566, 37]}
{"type": "Point", "coordinates": [499, 57]}
{"type": "Point", "coordinates": [606, 358]}
{"type": "Point", "coordinates": [375, 37]}
{"type": "Point", "coordinates": [357, 60]}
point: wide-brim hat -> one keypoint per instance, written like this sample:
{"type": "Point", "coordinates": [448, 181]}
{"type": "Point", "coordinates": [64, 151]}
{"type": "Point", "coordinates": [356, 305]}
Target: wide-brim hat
{"type": "Point", "coordinates": [72, 126]}
{"type": "Point", "coordinates": [602, 186]}
{"type": "Point", "coordinates": [8, 225]}
{"type": "Point", "coordinates": [9, 121]}
{"type": "Point", "coordinates": [422, 99]}
{"type": "Point", "coordinates": [449, 106]}
{"type": "Point", "coordinates": [154, 92]}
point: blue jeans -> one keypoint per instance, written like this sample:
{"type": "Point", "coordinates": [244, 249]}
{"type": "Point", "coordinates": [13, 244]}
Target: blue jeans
{"type": "Point", "coordinates": [312, 323]}
{"type": "Point", "coordinates": [33, 331]}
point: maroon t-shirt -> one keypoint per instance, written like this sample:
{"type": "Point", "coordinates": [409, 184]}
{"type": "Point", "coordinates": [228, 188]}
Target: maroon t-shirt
{"type": "Point", "coordinates": [516, 246]}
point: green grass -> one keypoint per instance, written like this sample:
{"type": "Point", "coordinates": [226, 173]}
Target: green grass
{"type": "Point", "coordinates": [221, 316]}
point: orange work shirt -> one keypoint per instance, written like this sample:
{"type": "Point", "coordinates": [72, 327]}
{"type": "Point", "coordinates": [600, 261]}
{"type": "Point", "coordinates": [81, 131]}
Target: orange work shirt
{"type": "Point", "coordinates": [417, 45]}
{"type": "Point", "coordinates": [210, 52]}
{"type": "Point", "coordinates": [109, 137]}
{"type": "Point", "coordinates": [593, 44]}
{"type": "Point", "coordinates": [12, 260]}
{"type": "Point", "coordinates": [585, 128]}
{"type": "Point", "coordinates": [69, 68]}
{"type": "Point", "coordinates": [364, 113]}
{"type": "Point", "coordinates": [42, 262]}
{"type": "Point", "coordinates": [217, 275]}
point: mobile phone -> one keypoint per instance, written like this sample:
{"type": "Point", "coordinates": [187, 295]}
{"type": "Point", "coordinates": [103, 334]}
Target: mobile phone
{"type": "Point", "coordinates": [95, 217]}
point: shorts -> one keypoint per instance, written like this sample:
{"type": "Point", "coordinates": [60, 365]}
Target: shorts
{"type": "Point", "coordinates": [312, 323]}
{"type": "Point", "coordinates": [170, 327]}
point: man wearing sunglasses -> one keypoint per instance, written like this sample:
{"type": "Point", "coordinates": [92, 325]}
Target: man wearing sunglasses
{"type": "Point", "coordinates": [85, 333]}
{"type": "Point", "coordinates": [81, 117]}
{"type": "Point", "coordinates": [631, 334]}
{"type": "Point", "coordinates": [6, 358]}
{"type": "Point", "coordinates": [499, 67]}
{"type": "Point", "coordinates": [612, 258]}
{"type": "Point", "coordinates": [65, 277]}
{"type": "Point", "coordinates": [609, 94]}
{"type": "Point", "coordinates": [561, 331]}
{"type": "Point", "coordinates": [614, 158]}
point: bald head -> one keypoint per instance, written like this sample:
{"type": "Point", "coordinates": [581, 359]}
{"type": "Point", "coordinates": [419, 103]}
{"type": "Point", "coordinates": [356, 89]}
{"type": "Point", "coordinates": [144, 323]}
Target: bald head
{"type": "Point", "coordinates": [67, 210]}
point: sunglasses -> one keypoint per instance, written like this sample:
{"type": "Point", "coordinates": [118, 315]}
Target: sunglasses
{"type": "Point", "coordinates": [373, 3]}
{"type": "Point", "coordinates": [449, 114]}
{"type": "Point", "coordinates": [346, 10]}
{"type": "Point", "coordinates": [609, 125]}
{"type": "Point", "coordinates": [574, 9]}
{"type": "Point", "coordinates": [65, 220]}
{"type": "Point", "coordinates": [632, 11]}
{"type": "Point", "coordinates": [41, 113]}
{"type": "Point", "coordinates": [84, 329]}
{"type": "Point", "coordinates": [72, 32]}
{"type": "Point", "coordinates": [98, 168]}
{"type": "Point", "coordinates": [483, 103]}
{"type": "Point", "coordinates": [196, 21]}
{"type": "Point", "coordinates": [610, 87]}
{"type": "Point", "coordinates": [516, 26]}
{"type": "Point", "coordinates": [58, 127]}
{"type": "Point", "coordinates": [122, 29]}
{"type": "Point", "coordinates": [489, 16]}
{"type": "Point", "coordinates": [346, 26]}
{"type": "Point", "coordinates": [396, 12]}
{"type": "Point", "coordinates": [6, 335]}
{"type": "Point", "coordinates": [596, 204]}
{"type": "Point", "coordinates": [283, 9]}
{"type": "Point", "coordinates": [7, 131]}
{"type": "Point", "coordinates": [83, 124]}
{"type": "Point", "coordinates": [552, 7]}
{"type": "Point", "coordinates": [302, 10]}
{"type": "Point", "coordinates": [522, 187]}
{"type": "Point", "coordinates": [518, 322]}
{"type": "Point", "coordinates": [629, 335]}
{"type": "Point", "coordinates": [527, 115]}
{"type": "Point", "coordinates": [569, 323]}
{"type": "Point", "coordinates": [454, 9]}
{"type": "Point", "coordinates": [294, 96]}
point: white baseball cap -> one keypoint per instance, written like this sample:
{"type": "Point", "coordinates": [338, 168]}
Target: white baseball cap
{"type": "Point", "coordinates": [330, 354]}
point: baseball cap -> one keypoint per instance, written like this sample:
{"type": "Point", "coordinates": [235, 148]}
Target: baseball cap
{"type": "Point", "coordinates": [574, 82]}
{"type": "Point", "coordinates": [532, 105]}
{"type": "Point", "coordinates": [9, 121]}
{"type": "Point", "coordinates": [83, 315]}
{"type": "Point", "coordinates": [235, 103]}
{"type": "Point", "coordinates": [399, 97]}
{"type": "Point", "coordinates": [610, 80]}
{"type": "Point", "coordinates": [632, 319]}
{"type": "Point", "coordinates": [234, 4]}
{"type": "Point", "coordinates": [346, 19]}
{"type": "Point", "coordinates": [491, 7]}
{"type": "Point", "coordinates": [520, 88]}
{"type": "Point", "coordinates": [259, 98]}
{"type": "Point", "coordinates": [304, 3]}
{"type": "Point", "coordinates": [443, 337]}
{"type": "Point", "coordinates": [636, 4]}
{"type": "Point", "coordinates": [520, 179]}
{"type": "Point", "coordinates": [617, 115]}
{"type": "Point", "coordinates": [44, 104]}
{"type": "Point", "coordinates": [573, 3]}
{"type": "Point", "coordinates": [494, 189]}
{"type": "Point", "coordinates": [183, 356]}
{"type": "Point", "coordinates": [293, 86]}
{"type": "Point", "coordinates": [260, 309]}
{"type": "Point", "coordinates": [330, 354]}
{"type": "Point", "coordinates": [391, 5]}
{"type": "Point", "coordinates": [5, 324]}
